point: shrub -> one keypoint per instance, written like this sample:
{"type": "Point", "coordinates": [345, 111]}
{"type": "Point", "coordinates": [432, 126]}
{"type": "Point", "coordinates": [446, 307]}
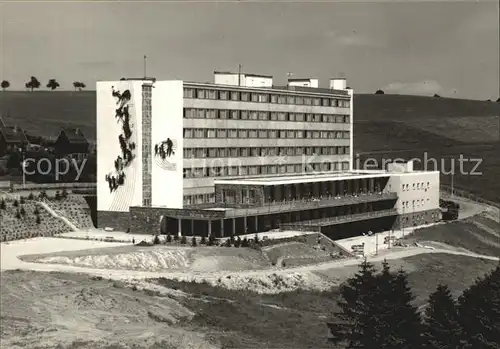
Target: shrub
{"type": "Point", "coordinates": [183, 240]}
{"type": "Point", "coordinates": [379, 92]}
{"type": "Point", "coordinates": [256, 239]}
{"type": "Point", "coordinates": [18, 214]}
{"type": "Point", "coordinates": [156, 240]}
{"type": "Point", "coordinates": [38, 220]}
{"type": "Point", "coordinates": [245, 243]}
{"type": "Point", "coordinates": [21, 200]}
{"type": "Point", "coordinates": [169, 238]}
{"type": "Point", "coordinates": [203, 240]}
{"type": "Point", "coordinates": [211, 240]}
{"type": "Point", "coordinates": [2, 204]}
{"type": "Point", "coordinates": [176, 237]}
{"type": "Point", "coordinates": [36, 211]}
{"type": "Point", "coordinates": [237, 243]}
{"type": "Point", "coordinates": [16, 203]}
{"type": "Point", "coordinates": [58, 195]}
{"type": "Point", "coordinates": [23, 211]}
{"type": "Point", "coordinates": [193, 242]}
{"type": "Point", "coordinates": [43, 194]}
{"type": "Point", "coordinates": [64, 193]}
{"type": "Point", "coordinates": [31, 196]}
{"type": "Point", "coordinates": [227, 243]}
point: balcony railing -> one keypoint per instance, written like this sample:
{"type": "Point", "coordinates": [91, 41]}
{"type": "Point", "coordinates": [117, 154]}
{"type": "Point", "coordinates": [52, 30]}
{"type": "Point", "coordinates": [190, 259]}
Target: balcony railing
{"type": "Point", "coordinates": [342, 219]}
{"type": "Point", "coordinates": [301, 205]}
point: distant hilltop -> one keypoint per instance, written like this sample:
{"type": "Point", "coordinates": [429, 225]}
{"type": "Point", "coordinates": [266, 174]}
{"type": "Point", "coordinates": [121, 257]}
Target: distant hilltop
{"type": "Point", "coordinates": [44, 113]}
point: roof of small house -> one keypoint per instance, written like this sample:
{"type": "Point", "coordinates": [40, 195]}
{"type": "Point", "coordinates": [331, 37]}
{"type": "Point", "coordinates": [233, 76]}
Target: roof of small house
{"type": "Point", "coordinates": [13, 134]}
{"type": "Point", "coordinates": [74, 135]}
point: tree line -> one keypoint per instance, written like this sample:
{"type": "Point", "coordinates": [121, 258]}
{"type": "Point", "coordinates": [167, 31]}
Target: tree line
{"type": "Point", "coordinates": [377, 311]}
{"type": "Point", "coordinates": [34, 84]}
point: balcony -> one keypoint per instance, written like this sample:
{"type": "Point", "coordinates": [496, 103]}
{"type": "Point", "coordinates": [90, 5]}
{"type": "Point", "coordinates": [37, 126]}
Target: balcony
{"type": "Point", "coordinates": [323, 222]}
{"type": "Point", "coordinates": [302, 205]}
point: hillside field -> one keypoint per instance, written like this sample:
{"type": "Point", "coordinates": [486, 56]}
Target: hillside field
{"type": "Point", "coordinates": [386, 126]}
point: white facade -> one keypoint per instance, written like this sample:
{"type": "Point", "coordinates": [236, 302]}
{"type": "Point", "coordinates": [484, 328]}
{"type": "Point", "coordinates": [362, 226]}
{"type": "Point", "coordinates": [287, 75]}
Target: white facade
{"type": "Point", "coordinates": [338, 84]}
{"type": "Point", "coordinates": [242, 79]}
{"type": "Point", "coordinates": [304, 82]}
{"type": "Point", "coordinates": [154, 115]}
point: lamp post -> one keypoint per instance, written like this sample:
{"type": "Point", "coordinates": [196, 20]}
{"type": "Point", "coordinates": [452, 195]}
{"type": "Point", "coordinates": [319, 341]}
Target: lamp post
{"type": "Point", "coordinates": [23, 165]}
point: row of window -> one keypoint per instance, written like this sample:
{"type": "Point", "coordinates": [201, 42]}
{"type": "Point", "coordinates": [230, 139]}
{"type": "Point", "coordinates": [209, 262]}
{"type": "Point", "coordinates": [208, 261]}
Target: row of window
{"type": "Point", "coordinates": [257, 151]}
{"type": "Point", "coordinates": [415, 203]}
{"type": "Point", "coordinates": [261, 97]}
{"type": "Point", "coordinates": [198, 199]}
{"type": "Point", "coordinates": [416, 186]}
{"type": "Point", "coordinates": [233, 114]}
{"type": "Point", "coordinates": [249, 133]}
{"type": "Point", "coordinates": [225, 171]}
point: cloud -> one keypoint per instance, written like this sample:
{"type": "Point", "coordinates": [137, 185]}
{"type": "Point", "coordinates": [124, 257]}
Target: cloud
{"type": "Point", "coordinates": [426, 87]}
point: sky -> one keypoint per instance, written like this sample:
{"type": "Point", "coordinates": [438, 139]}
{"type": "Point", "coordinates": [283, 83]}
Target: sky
{"type": "Point", "coordinates": [409, 47]}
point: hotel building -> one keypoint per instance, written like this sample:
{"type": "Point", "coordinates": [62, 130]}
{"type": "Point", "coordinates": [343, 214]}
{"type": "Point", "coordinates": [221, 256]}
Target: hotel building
{"type": "Point", "coordinates": [242, 154]}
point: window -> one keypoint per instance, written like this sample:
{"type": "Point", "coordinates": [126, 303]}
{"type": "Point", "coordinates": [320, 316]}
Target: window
{"type": "Point", "coordinates": [233, 152]}
{"type": "Point", "coordinates": [263, 98]}
{"type": "Point", "coordinates": [281, 116]}
{"type": "Point", "coordinates": [221, 133]}
{"type": "Point", "coordinates": [188, 93]}
{"type": "Point", "coordinates": [255, 151]}
{"type": "Point", "coordinates": [274, 98]}
{"type": "Point", "coordinates": [200, 113]}
{"type": "Point", "coordinates": [290, 99]}
{"type": "Point", "coordinates": [188, 153]}
{"type": "Point", "coordinates": [188, 133]}
{"type": "Point", "coordinates": [281, 99]}
{"type": "Point", "coordinates": [326, 102]}
{"type": "Point", "coordinates": [299, 117]}
{"type": "Point", "coordinates": [235, 95]}
{"type": "Point", "coordinates": [290, 134]}
{"type": "Point", "coordinates": [252, 133]}
{"type": "Point", "coordinates": [299, 151]}
{"type": "Point", "coordinates": [299, 134]}
{"type": "Point", "coordinates": [244, 96]}
{"type": "Point", "coordinates": [212, 152]}
{"type": "Point", "coordinates": [232, 134]}
{"type": "Point", "coordinates": [211, 113]}
{"type": "Point", "coordinates": [291, 116]}
{"type": "Point", "coordinates": [273, 134]}
{"type": "Point", "coordinates": [346, 134]}
{"type": "Point", "coordinates": [244, 115]}
{"type": "Point", "coordinates": [243, 171]}
{"type": "Point", "coordinates": [299, 100]}
{"type": "Point", "coordinates": [282, 133]}
{"type": "Point", "coordinates": [222, 152]}
{"type": "Point", "coordinates": [307, 101]}
{"type": "Point", "coordinates": [233, 114]}
{"type": "Point", "coordinates": [211, 94]}
{"type": "Point", "coordinates": [242, 134]}
{"type": "Point", "coordinates": [211, 133]}
{"type": "Point", "coordinates": [244, 152]}
{"type": "Point", "coordinates": [189, 113]}
{"type": "Point", "coordinates": [199, 133]}
{"type": "Point", "coordinates": [263, 115]}
{"type": "Point", "coordinates": [309, 117]}
{"type": "Point", "coordinates": [316, 101]}
{"type": "Point", "coordinates": [254, 97]}
{"type": "Point", "coordinates": [200, 93]}
{"type": "Point", "coordinates": [274, 116]}
{"type": "Point", "coordinates": [262, 133]}
{"type": "Point", "coordinates": [223, 95]}
{"type": "Point", "coordinates": [346, 119]}
{"type": "Point", "coordinates": [222, 114]}
{"type": "Point", "coordinates": [254, 115]}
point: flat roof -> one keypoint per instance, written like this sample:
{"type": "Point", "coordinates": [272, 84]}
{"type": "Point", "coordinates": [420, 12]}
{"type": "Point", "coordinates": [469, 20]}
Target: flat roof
{"type": "Point", "coordinates": [309, 178]}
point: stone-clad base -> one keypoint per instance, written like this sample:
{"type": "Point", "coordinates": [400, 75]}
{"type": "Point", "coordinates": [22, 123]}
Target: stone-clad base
{"type": "Point", "coordinates": [117, 220]}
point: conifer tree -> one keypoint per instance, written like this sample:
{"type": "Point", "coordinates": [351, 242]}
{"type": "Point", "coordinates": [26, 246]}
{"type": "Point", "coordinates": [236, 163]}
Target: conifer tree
{"type": "Point", "coordinates": [441, 326]}
{"type": "Point", "coordinates": [479, 312]}
{"type": "Point", "coordinates": [354, 304]}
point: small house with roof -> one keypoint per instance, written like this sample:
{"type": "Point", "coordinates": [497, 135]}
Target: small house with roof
{"type": "Point", "coordinates": [71, 142]}
{"type": "Point", "coordinates": [11, 137]}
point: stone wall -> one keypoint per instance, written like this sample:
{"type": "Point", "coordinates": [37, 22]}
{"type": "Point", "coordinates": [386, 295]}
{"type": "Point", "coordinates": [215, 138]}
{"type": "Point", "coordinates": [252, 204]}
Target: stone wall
{"type": "Point", "coordinates": [117, 220]}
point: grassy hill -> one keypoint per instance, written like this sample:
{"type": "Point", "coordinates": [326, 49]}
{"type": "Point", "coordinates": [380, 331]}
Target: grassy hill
{"type": "Point", "coordinates": [388, 126]}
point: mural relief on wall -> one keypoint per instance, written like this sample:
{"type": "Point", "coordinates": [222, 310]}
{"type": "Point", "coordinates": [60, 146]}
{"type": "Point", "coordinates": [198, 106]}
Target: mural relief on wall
{"type": "Point", "coordinates": [116, 177]}
{"type": "Point", "coordinates": [163, 155]}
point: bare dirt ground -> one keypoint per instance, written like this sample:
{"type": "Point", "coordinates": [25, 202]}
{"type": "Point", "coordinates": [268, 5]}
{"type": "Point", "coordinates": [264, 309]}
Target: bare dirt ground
{"type": "Point", "coordinates": [231, 295]}
{"type": "Point", "coordinates": [62, 310]}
